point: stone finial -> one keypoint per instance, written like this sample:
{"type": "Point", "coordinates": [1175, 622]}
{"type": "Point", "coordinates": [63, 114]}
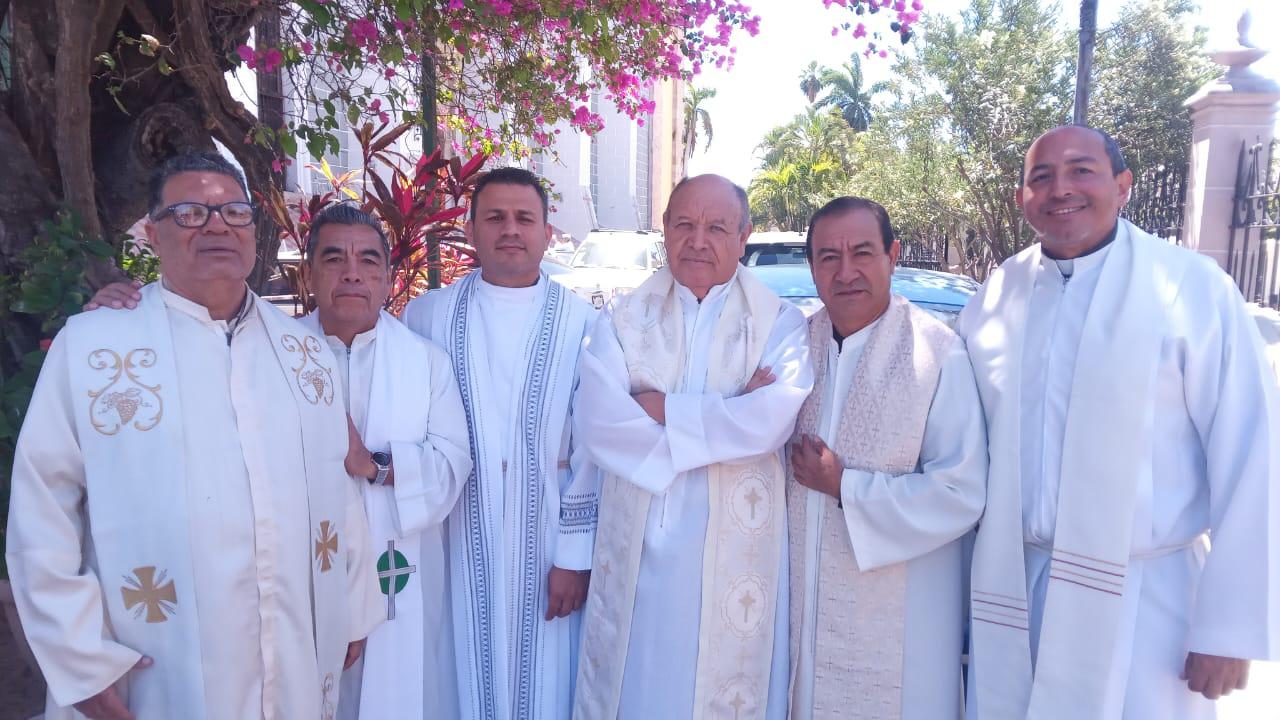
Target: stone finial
{"type": "Point", "coordinates": [1243, 26]}
{"type": "Point", "coordinates": [1240, 76]}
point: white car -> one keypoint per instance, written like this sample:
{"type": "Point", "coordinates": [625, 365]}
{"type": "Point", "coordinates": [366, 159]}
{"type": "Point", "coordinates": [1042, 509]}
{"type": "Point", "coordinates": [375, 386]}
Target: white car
{"type": "Point", "coordinates": [609, 263]}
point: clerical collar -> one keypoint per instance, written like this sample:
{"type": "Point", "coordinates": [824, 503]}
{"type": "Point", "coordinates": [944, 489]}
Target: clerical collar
{"type": "Point", "coordinates": [201, 313]}
{"type": "Point", "coordinates": [712, 295]}
{"type": "Point", "coordinates": [357, 342]}
{"type": "Point", "coordinates": [1067, 266]}
{"type": "Point", "coordinates": [510, 294]}
{"type": "Point", "coordinates": [858, 337]}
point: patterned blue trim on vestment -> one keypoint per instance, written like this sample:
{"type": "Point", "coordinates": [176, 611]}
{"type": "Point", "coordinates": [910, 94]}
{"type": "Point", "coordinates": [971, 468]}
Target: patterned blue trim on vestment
{"type": "Point", "coordinates": [531, 591]}
{"type": "Point", "coordinates": [579, 513]}
{"type": "Point", "coordinates": [481, 600]}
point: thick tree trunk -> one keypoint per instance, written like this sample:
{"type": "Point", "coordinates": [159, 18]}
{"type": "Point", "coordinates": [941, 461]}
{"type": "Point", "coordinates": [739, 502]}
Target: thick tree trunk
{"type": "Point", "coordinates": [66, 141]}
{"type": "Point", "coordinates": [1084, 68]}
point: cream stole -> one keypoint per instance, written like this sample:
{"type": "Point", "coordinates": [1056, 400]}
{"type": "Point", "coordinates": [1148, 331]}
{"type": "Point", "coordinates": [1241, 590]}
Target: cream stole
{"type": "Point", "coordinates": [1090, 601]}
{"type": "Point", "coordinates": [858, 660]}
{"type": "Point", "coordinates": [129, 424]}
{"type": "Point", "coordinates": [741, 560]}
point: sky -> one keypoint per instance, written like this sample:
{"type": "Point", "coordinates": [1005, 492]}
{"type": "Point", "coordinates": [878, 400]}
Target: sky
{"type": "Point", "coordinates": [762, 90]}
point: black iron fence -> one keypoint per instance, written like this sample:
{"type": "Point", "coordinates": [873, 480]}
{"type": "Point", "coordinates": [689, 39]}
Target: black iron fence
{"type": "Point", "coordinates": [1157, 200]}
{"type": "Point", "coordinates": [1253, 254]}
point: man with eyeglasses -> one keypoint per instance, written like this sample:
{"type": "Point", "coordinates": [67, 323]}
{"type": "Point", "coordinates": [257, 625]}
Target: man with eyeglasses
{"type": "Point", "coordinates": [184, 540]}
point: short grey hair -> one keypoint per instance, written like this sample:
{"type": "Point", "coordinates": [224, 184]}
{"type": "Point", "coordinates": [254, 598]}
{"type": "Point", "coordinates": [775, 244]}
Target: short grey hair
{"type": "Point", "coordinates": [345, 214]}
{"type": "Point", "coordinates": [210, 162]}
{"type": "Point", "coordinates": [737, 191]}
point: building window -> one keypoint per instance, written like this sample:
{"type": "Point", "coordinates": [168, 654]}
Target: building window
{"type": "Point", "coordinates": [595, 157]}
{"type": "Point", "coordinates": [339, 162]}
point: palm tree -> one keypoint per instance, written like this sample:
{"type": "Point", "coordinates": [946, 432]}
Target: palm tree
{"type": "Point", "coordinates": [695, 114]}
{"type": "Point", "coordinates": [786, 194]}
{"type": "Point", "coordinates": [809, 138]}
{"type": "Point", "coordinates": [845, 91]}
{"type": "Point", "coordinates": [810, 81]}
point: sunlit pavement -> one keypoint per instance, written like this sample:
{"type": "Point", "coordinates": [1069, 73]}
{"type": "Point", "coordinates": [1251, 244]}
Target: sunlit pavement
{"type": "Point", "coordinates": [1261, 701]}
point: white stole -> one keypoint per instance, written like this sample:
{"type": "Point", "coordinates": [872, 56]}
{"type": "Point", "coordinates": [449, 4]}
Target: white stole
{"type": "Point", "coordinates": [501, 625]}
{"type": "Point", "coordinates": [131, 436]}
{"type": "Point", "coordinates": [1090, 601]}
{"type": "Point", "coordinates": [399, 407]}
{"type": "Point", "coordinates": [741, 560]}
{"type": "Point", "coordinates": [880, 427]}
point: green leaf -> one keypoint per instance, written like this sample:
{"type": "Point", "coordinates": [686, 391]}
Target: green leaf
{"type": "Point", "coordinates": [315, 146]}
{"type": "Point", "coordinates": [106, 59]}
{"type": "Point", "coordinates": [163, 66]}
{"type": "Point", "coordinates": [288, 143]}
{"type": "Point", "coordinates": [353, 114]}
{"type": "Point", "coordinates": [392, 54]}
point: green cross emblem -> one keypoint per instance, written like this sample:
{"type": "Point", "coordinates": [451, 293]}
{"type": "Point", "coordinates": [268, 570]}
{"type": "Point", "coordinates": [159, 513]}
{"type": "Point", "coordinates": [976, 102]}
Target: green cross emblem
{"type": "Point", "coordinates": [393, 575]}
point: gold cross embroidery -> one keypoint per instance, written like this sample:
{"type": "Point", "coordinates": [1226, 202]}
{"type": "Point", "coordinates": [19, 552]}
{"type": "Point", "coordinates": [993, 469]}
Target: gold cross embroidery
{"type": "Point", "coordinates": [746, 601]}
{"type": "Point", "coordinates": [145, 589]}
{"type": "Point", "coordinates": [326, 546]}
{"type": "Point", "coordinates": [753, 498]}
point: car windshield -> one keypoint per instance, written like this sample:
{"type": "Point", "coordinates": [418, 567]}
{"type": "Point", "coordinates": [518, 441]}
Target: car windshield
{"type": "Point", "coordinates": [778, 255]}
{"type": "Point", "coordinates": [623, 255]}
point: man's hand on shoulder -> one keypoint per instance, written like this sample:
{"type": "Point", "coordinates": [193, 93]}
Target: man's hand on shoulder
{"type": "Point", "coordinates": [566, 591]}
{"type": "Point", "coordinates": [116, 295]}
{"type": "Point", "coordinates": [107, 704]}
{"type": "Point", "coordinates": [1214, 676]}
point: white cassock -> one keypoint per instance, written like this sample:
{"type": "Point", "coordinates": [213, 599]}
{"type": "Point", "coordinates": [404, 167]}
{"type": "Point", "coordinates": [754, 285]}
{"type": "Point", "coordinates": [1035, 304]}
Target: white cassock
{"type": "Point", "coordinates": [179, 492]}
{"type": "Point", "coordinates": [1133, 423]}
{"type": "Point", "coordinates": [401, 394]}
{"type": "Point", "coordinates": [530, 502]}
{"type": "Point", "coordinates": [877, 589]}
{"type": "Point", "coordinates": [657, 666]}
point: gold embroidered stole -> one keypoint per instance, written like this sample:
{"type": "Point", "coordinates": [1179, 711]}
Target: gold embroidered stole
{"type": "Point", "coordinates": [880, 426]}
{"type": "Point", "coordinates": [741, 563]}
{"type": "Point", "coordinates": [129, 421]}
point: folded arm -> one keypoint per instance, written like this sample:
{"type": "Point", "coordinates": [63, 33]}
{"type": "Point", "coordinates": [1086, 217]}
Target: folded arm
{"type": "Point", "coordinates": [700, 429]}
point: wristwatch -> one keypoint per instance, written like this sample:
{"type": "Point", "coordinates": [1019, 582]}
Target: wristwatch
{"type": "Point", "coordinates": [382, 461]}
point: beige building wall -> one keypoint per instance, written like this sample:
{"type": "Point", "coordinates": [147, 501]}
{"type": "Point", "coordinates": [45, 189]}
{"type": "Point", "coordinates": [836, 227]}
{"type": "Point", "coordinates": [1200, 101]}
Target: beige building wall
{"type": "Point", "coordinates": [667, 144]}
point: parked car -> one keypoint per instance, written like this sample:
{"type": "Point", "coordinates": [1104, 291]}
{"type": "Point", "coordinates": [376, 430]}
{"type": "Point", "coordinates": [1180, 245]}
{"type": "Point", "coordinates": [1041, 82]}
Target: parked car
{"type": "Point", "coordinates": [774, 248]}
{"type": "Point", "coordinates": [611, 262]}
{"type": "Point", "coordinates": [942, 294]}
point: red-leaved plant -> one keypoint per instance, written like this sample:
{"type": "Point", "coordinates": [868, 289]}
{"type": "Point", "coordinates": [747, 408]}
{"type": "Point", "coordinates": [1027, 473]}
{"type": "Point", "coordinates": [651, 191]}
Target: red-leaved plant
{"type": "Point", "coordinates": [421, 203]}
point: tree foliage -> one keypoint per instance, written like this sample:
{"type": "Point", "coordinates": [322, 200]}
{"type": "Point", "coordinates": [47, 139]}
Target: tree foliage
{"type": "Point", "coordinates": [845, 92]}
{"type": "Point", "coordinates": [696, 115]}
{"type": "Point", "coordinates": [805, 163]}
{"type": "Point", "coordinates": [1145, 66]}
{"type": "Point", "coordinates": [943, 151]}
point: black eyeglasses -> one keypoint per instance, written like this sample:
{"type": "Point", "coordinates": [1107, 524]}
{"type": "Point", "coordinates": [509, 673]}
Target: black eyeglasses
{"type": "Point", "coordinates": [196, 215]}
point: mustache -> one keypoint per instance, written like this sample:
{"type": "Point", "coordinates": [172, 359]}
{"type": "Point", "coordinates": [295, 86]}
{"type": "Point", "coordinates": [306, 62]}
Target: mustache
{"type": "Point", "coordinates": [855, 286]}
{"type": "Point", "coordinates": [697, 257]}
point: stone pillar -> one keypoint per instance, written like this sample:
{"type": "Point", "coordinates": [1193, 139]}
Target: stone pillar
{"type": "Point", "coordinates": [1240, 107]}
